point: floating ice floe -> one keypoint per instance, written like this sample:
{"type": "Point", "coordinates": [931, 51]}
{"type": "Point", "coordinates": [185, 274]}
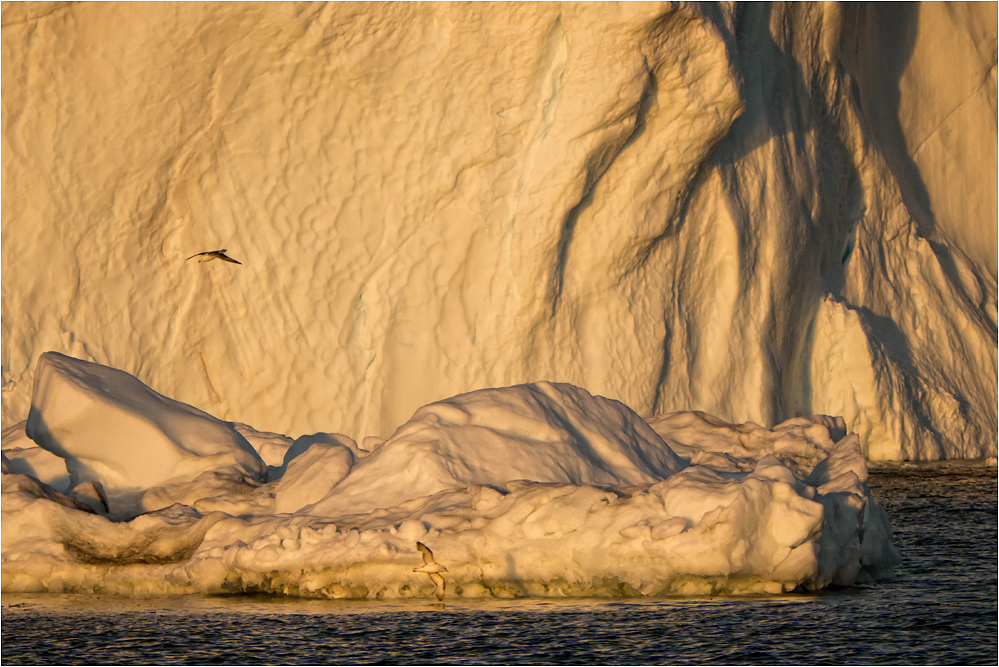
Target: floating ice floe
{"type": "Point", "coordinates": [538, 489]}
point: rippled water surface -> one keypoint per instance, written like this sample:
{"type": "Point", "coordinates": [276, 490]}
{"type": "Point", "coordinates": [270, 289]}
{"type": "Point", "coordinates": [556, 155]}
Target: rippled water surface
{"type": "Point", "coordinates": [940, 609]}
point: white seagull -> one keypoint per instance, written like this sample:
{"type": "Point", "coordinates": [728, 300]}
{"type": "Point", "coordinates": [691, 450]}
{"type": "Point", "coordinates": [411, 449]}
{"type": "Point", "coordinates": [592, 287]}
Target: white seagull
{"type": "Point", "coordinates": [213, 254]}
{"type": "Point", "coordinates": [432, 568]}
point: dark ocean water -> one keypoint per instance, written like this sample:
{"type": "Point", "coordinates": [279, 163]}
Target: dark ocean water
{"type": "Point", "coordinates": [940, 609]}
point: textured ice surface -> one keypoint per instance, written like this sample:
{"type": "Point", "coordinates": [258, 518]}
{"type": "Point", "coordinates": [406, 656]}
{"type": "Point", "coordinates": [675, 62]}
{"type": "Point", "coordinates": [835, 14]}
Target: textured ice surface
{"type": "Point", "coordinates": [760, 211]}
{"type": "Point", "coordinates": [800, 442]}
{"type": "Point", "coordinates": [537, 489]}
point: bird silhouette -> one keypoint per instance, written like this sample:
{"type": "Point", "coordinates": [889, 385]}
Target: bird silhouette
{"type": "Point", "coordinates": [212, 254]}
{"type": "Point", "coordinates": [433, 569]}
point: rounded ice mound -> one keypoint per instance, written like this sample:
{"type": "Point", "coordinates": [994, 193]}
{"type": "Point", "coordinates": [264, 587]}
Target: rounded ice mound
{"type": "Point", "coordinates": [542, 432]}
{"type": "Point", "coordinates": [309, 475]}
{"type": "Point", "coordinates": [113, 429]}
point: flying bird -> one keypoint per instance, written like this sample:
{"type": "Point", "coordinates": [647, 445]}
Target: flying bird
{"type": "Point", "coordinates": [433, 569]}
{"type": "Point", "coordinates": [213, 254]}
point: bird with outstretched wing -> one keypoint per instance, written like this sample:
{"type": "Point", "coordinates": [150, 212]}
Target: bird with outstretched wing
{"type": "Point", "coordinates": [433, 569]}
{"type": "Point", "coordinates": [213, 254]}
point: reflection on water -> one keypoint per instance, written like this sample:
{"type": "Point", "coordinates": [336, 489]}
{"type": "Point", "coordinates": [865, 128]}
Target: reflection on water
{"type": "Point", "coordinates": [941, 608]}
{"type": "Point", "coordinates": [73, 605]}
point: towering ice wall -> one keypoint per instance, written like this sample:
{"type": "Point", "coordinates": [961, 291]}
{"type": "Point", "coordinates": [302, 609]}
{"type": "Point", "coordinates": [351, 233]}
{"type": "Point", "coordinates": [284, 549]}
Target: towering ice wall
{"type": "Point", "coordinates": [758, 211]}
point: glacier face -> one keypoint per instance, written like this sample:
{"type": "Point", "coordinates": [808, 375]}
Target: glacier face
{"type": "Point", "coordinates": [758, 211]}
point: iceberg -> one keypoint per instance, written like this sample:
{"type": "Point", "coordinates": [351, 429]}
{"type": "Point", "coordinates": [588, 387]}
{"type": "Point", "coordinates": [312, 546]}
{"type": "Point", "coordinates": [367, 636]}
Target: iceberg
{"type": "Point", "coordinates": [540, 489]}
{"type": "Point", "coordinates": [757, 210]}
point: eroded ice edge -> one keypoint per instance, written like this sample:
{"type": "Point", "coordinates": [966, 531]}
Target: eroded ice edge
{"type": "Point", "coordinates": [539, 489]}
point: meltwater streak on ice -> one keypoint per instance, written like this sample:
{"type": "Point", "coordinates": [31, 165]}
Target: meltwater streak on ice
{"type": "Point", "coordinates": [532, 490]}
{"type": "Point", "coordinates": [940, 609]}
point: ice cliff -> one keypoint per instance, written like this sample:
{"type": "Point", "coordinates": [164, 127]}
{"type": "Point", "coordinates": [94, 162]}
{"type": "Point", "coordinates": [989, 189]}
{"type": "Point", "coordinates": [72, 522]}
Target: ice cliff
{"type": "Point", "coordinates": [759, 211]}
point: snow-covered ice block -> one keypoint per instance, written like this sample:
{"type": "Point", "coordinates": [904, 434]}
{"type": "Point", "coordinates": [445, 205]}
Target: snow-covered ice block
{"type": "Point", "coordinates": [544, 432]}
{"type": "Point", "coordinates": [111, 428]}
{"type": "Point", "coordinates": [539, 489]}
{"type": "Point", "coordinates": [697, 532]}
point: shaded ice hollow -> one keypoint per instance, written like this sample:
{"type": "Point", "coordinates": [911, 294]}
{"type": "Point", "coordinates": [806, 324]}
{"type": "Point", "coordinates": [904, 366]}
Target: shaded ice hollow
{"type": "Point", "coordinates": [538, 489]}
{"type": "Point", "coordinates": [759, 211]}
